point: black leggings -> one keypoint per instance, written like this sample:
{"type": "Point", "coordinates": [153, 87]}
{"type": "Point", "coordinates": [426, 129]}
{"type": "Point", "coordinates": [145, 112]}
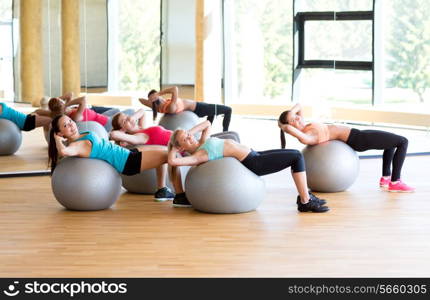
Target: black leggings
{"type": "Point", "coordinates": [132, 165]}
{"type": "Point", "coordinates": [30, 123]}
{"type": "Point", "coordinates": [272, 161]}
{"type": "Point", "coordinates": [101, 109]}
{"type": "Point", "coordinates": [212, 110]}
{"type": "Point", "coordinates": [394, 146]}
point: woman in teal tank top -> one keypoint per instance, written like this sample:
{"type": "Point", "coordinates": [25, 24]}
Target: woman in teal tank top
{"type": "Point", "coordinates": [261, 163]}
{"type": "Point", "coordinates": [87, 144]}
{"type": "Point", "coordinates": [23, 121]}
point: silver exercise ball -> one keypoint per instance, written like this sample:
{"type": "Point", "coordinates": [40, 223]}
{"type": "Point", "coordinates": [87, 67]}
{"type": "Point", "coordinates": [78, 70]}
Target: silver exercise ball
{"type": "Point", "coordinates": [85, 184]}
{"type": "Point", "coordinates": [184, 120]}
{"type": "Point", "coordinates": [10, 137]}
{"type": "Point", "coordinates": [146, 181]}
{"type": "Point", "coordinates": [233, 135]}
{"type": "Point", "coordinates": [95, 127]}
{"type": "Point", "coordinates": [331, 166]}
{"type": "Point", "coordinates": [224, 186]}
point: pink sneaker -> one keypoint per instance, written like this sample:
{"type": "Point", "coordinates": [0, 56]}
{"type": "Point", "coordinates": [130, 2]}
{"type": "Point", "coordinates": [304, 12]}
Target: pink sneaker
{"type": "Point", "coordinates": [400, 187]}
{"type": "Point", "coordinates": [383, 183]}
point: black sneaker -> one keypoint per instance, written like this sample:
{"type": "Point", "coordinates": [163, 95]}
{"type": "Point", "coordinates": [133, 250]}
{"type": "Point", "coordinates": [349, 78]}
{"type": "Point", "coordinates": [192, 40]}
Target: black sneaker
{"type": "Point", "coordinates": [181, 201]}
{"type": "Point", "coordinates": [313, 197]}
{"type": "Point", "coordinates": [312, 206]}
{"type": "Point", "coordinates": [163, 194]}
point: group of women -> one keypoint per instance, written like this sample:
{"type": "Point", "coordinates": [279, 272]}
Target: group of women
{"type": "Point", "coordinates": [129, 157]}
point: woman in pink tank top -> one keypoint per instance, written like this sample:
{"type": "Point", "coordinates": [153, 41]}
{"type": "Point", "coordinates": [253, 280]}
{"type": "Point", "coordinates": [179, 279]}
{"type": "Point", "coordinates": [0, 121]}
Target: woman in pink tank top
{"type": "Point", "coordinates": [129, 130]}
{"type": "Point", "coordinates": [77, 110]}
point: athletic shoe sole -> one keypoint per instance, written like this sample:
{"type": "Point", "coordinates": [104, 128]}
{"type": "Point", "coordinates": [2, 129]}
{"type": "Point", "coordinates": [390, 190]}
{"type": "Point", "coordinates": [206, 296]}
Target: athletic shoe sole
{"type": "Point", "coordinates": [391, 191]}
{"type": "Point", "coordinates": [311, 211]}
{"type": "Point", "coordinates": [162, 199]}
{"type": "Point", "coordinates": [182, 205]}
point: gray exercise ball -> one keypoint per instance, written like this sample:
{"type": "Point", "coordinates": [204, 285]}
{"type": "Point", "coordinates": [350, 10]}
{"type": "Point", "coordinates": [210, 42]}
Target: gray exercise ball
{"type": "Point", "coordinates": [331, 166]}
{"type": "Point", "coordinates": [96, 127]}
{"type": "Point", "coordinates": [85, 184]}
{"type": "Point", "coordinates": [184, 120]}
{"type": "Point", "coordinates": [146, 181]}
{"type": "Point", "coordinates": [224, 186]}
{"type": "Point", "coordinates": [227, 135]}
{"type": "Point", "coordinates": [10, 137]}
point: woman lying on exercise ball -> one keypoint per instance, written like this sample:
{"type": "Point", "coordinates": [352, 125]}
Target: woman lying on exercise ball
{"type": "Point", "coordinates": [63, 105]}
{"type": "Point", "coordinates": [127, 162]}
{"type": "Point", "coordinates": [23, 121]}
{"type": "Point", "coordinates": [129, 130]}
{"type": "Point", "coordinates": [394, 146]}
{"type": "Point", "coordinates": [176, 105]}
{"type": "Point", "coordinates": [261, 163]}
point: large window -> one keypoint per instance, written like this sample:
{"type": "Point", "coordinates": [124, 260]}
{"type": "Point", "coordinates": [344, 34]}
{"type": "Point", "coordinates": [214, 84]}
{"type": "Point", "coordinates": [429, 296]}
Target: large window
{"type": "Point", "coordinates": [134, 50]}
{"type": "Point", "coordinates": [6, 50]}
{"type": "Point", "coordinates": [258, 41]}
{"type": "Point", "coordinates": [382, 59]}
{"type": "Point", "coordinates": [333, 52]}
{"type": "Point", "coordinates": [405, 53]}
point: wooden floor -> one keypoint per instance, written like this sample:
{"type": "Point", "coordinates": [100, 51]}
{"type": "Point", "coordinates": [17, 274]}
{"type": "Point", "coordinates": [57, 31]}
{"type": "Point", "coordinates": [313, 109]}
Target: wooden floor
{"type": "Point", "coordinates": [31, 155]}
{"type": "Point", "coordinates": [367, 233]}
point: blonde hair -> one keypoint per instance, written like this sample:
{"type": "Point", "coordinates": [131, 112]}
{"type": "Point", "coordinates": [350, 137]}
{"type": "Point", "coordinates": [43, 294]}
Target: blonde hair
{"type": "Point", "coordinates": [173, 143]}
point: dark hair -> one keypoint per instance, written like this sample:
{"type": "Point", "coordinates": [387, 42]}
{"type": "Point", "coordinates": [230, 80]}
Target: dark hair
{"type": "Point", "coordinates": [154, 106]}
{"type": "Point", "coordinates": [115, 122]}
{"type": "Point", "coordinates": [56, 106]}
{"type": "Point", "coordinates": [52, 148]}
{"type": "Point", "coordinates": [283, 120]}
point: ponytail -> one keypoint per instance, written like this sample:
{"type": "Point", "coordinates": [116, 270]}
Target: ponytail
{"type": "Point", "coordinates": [283, 142]}
{"type": "Point", "coordinates": [154, 110]}
{"type": "Point", "coordinates": [52, 147]}
{"type": "Point", "coordinates": [283, 120]}
{"type": "Point", "coordinates": [154, 105]}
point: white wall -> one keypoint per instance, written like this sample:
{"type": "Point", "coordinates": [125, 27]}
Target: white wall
{"type": "Point", "coordinates": [94, 35]}
{"type": "Point", "coordinates": [51, 32]}
{"type": "Point", "coordinates": [178, 57]}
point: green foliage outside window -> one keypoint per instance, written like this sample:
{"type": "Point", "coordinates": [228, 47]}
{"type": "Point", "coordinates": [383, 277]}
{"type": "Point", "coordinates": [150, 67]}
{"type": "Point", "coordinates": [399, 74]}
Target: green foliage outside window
{"type": "Point", "coordinates": [274, 18]}
{"type": "Point", "coordinates": [139, 43]}
{"type": "Point", "coordinates": [409, 46]}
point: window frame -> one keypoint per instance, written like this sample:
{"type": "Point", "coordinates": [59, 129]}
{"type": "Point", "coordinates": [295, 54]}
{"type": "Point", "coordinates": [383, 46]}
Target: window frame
{"type": "Point", "coordinates": [299, 21]}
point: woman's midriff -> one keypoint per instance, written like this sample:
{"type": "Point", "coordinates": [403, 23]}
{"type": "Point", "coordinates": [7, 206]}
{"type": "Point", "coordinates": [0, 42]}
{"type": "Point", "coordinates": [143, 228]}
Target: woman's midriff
{"type": "Point", "coordinates": [189, 104]}
{"type": "Point", "coordinates": [339, 132]}
{"type": "Point", "coordinates": [236, 150]}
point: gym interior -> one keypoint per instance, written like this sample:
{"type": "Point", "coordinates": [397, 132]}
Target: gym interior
{"type": "Point", "coordinates": [362, 65]}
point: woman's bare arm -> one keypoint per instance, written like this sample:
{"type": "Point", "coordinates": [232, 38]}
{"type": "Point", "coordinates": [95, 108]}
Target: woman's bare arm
{"type": "Point", "coordinates": [134, 139]}
{"type": "Point", "coordinates": [173, 91]}
{"type": "Point", "coordinates": [192, 160]}
{"type": "Point", "coordinates": [82, 104]}
{"type": "Point", "coordinates": [43, 112]}
{"type": "Point", "coordinates": [304, 138]}
{"type": "Point", "coordinates": [74, 149]}
{"type": "Point", "coordinates": [145, 102]}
